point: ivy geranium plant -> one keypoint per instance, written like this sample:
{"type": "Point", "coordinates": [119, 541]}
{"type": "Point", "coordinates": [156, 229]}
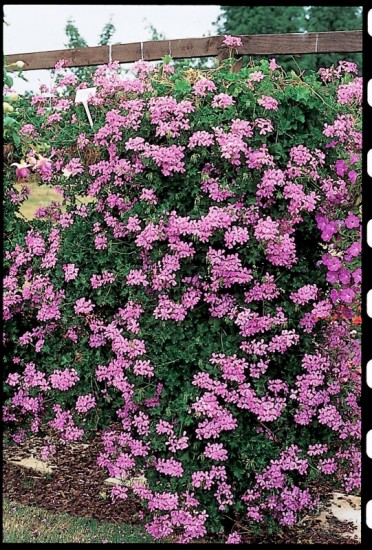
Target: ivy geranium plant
{"type": "Point", "coordinates": [195, 307]}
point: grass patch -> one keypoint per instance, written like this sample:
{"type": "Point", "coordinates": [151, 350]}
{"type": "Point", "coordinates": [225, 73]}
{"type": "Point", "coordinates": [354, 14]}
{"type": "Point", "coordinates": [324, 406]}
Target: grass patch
{"type": "Point", "coordinates": [41, 195]}
{"type": "Point", "coordinates": [30, 524]}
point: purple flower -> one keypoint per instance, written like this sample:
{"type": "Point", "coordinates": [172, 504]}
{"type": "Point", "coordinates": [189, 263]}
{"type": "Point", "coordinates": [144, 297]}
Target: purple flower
{"type": "Point", "coordinates": [321, 221]}
{"type": "Point", "coordinates": [83, 306]}
{"type": "Point", "coordinates": [22, 170]}
{"type": "Point", "coordinates": [344, 276]}
{"type": "Point", "coordinates": [234, 538]}
{"type": "Point", "coordinates": [353, 176]}
{"type": "Point", "coordinates": [332, 276]}
{"type": "Point", "coordinates": [347, 312]}
{"type": "Point", "coordinates": [333, 264]}
{"type": "Point", "coordinates": [268, 103]}
{"type": "Point", "coordinates": [347, 295]}
{"type": "Point", "coordinates": [85, 402]}
{"type": "Point", "coordinates": [341, 167]}
{"type": "Point", "coordinates": [355, 249]}
{"type": "Point", "coordinates": [357, 275]}
{"type": "Point", "coordinates": [329, 230]}
{"type": "Point", "coordinates": [273, 65]}
{"type": "Point", "coordinates": [352, 221]}
{"type": "Point", "coordinates": [222, 100]}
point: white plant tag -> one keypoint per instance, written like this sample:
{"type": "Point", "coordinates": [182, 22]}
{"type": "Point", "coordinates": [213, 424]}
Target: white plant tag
{"type": "Point", "coordinates": [82, 96]}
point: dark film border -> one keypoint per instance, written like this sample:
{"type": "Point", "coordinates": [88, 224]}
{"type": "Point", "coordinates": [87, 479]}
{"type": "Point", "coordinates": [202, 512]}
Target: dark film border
{"type": "Point", "coordinates": [366, 282]}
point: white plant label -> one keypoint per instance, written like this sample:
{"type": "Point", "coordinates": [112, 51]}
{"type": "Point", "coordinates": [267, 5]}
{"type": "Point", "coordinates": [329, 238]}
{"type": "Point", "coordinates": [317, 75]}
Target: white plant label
{"type": "Point", "coordinates": [82, 96]}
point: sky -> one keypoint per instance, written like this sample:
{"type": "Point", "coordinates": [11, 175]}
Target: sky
{"type": "Point", "coordinates": [40, 27]}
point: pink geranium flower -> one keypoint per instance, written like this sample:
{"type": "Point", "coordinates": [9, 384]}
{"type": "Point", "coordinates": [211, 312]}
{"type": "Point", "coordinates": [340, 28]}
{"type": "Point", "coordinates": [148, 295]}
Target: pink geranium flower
{"type": "Point", "coordinates": [232, 41]}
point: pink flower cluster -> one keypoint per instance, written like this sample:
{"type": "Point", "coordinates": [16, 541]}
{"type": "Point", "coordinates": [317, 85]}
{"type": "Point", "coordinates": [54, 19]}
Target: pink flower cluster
{"type": "Point", "coordinates": [232, 41]}
{"type": "Point", "coordinates": [63, 380]}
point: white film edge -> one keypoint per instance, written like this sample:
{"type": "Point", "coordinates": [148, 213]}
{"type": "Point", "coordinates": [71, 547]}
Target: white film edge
{"type": "Point", "coordinates": [369, 444]}
{"type": "Point", "coordinates": [369, 514]}
{"type": "Point", "coordinates": [369, 373]}
{"type": "Point", "coordinates": [369, 233]}
{"type": "Point", "coordinates": [369, 303]}
{"type": "Point", "coordinates": [369, 163]}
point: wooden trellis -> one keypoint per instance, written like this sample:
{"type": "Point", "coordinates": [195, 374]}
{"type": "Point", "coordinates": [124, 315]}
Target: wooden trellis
{"type": "Point", "coordinates": [253, 44]}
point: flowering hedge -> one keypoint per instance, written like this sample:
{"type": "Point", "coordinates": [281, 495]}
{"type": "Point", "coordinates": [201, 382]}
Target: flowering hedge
{"type": "Point", "coordinates": [203, 297]}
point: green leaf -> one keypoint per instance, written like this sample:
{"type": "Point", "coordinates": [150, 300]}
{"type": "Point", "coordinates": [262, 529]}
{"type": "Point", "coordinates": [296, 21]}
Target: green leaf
{"type": "Point", "coordinates": [16, 139]}
{"type": "Point", "coordinates": [9, 122]}
{"type": "Point", "coordinates": [182, 86]}
{"type": "Point", "coordinates": [8, 80]}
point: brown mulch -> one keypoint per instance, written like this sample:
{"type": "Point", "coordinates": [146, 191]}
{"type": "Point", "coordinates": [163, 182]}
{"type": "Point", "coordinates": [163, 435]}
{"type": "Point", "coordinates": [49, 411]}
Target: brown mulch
{"type": "Point", "coordinates": [77, 487]}
{"type": "Point", "coordinates": [308, 532]}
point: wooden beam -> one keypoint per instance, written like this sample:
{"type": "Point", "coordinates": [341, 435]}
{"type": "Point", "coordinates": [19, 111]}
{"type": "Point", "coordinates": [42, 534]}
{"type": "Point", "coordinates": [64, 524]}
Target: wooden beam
{"type": "Point", "coordinates": [254, 44]}
{"type": "Point", "coordinates": [302, 43]}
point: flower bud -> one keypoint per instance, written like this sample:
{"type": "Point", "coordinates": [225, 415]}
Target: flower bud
{"type": "Point", "coordinates": [66, 173]}
{"type": "Point", "coordinates": [12, 96]}
{"type": "Point", "coordinates": [31, 160]}
{"type": "Point", "coordinates": [22, 172]}
{"type": "Point", "coordinates": [19, 64]}
{"type": "Point", "coordinates": [7, 107]}
{"type": "Point", "coordinates": [43, 165]}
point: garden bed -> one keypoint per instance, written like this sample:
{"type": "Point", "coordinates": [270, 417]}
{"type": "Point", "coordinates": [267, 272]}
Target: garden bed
{"type": "Point", "coordinates": [77, 487]}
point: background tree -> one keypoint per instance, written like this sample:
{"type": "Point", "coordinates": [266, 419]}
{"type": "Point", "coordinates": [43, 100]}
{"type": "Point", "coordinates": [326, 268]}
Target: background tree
{"type": "Point", "coordinates": [260, 19]}
{"type": "Point", "coordinates": [237, 20]}
{"type": "Point", "coordinates": [332, 18]}
{"type": "Point", "coordinates": [153, 31]}
{"type": "Point", "coordinates": [75, 40]}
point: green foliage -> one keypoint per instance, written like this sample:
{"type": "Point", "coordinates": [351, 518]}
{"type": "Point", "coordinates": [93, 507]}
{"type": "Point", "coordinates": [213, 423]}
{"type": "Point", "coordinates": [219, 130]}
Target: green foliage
{"type": "Point", "coordinates": [75, 40]}
{"type": "Point", "coordinates": [107, 33]}
{"type": "Point", "coordinates": [13, 112]}
{"type": "Point", "coordinates": [154, 33]}
{"type": "Point", "coordinates": [10, 101]}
